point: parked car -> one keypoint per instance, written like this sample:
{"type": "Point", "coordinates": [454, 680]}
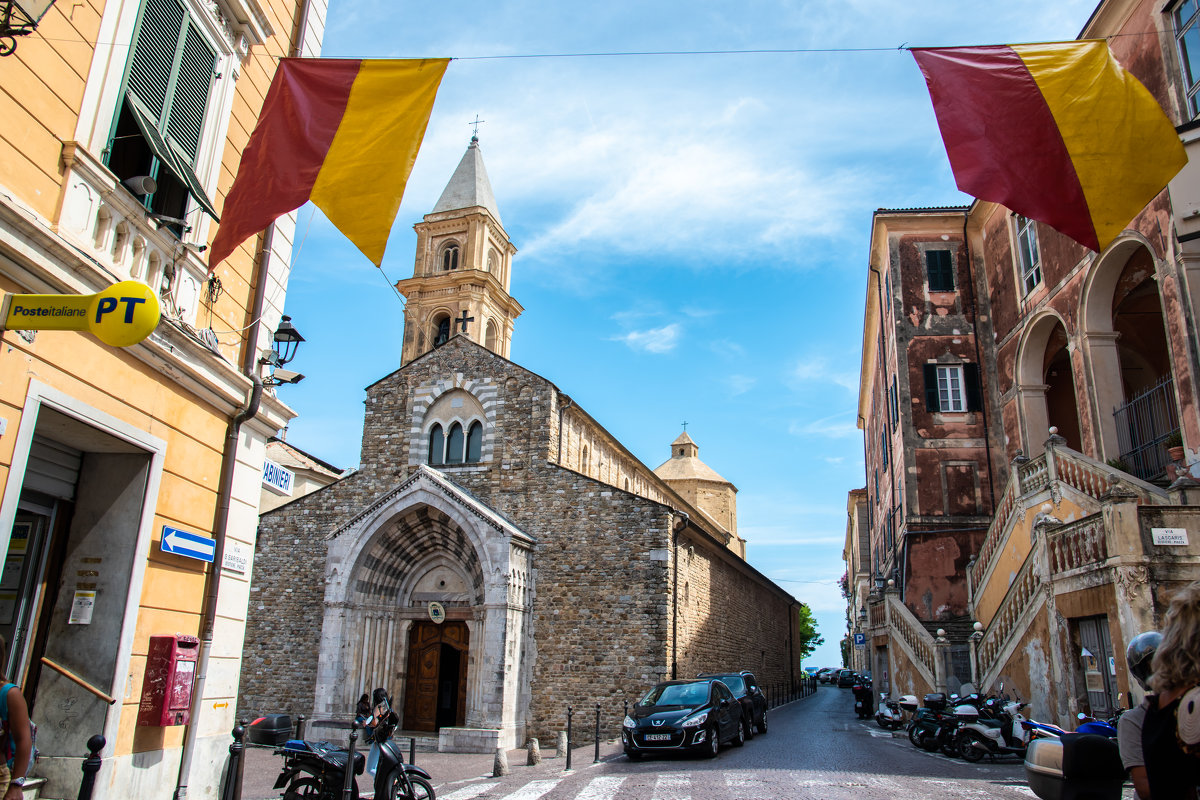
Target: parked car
{"type": "Point", "coordinates": [698, 715]}
{"type": "Point", "coordinates": [754, 703]}
{"type": "Point", "coordinates": [827, 674]}
{"type": "Point", "coordinates": [812, 671]}
{"type": "Point", "coordinates": [845, 678]}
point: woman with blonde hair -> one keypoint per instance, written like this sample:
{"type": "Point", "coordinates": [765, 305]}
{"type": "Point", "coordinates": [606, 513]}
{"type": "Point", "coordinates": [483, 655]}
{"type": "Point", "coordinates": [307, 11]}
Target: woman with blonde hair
{"type": "Point", "coordinates": [1172, 772]}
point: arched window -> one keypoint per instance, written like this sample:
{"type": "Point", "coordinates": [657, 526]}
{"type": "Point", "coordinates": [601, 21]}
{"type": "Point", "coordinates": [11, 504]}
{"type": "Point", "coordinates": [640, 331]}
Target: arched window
{"type": "Point", "coordinates": [454, 445]}
{"type": "Point", "coordinates": [474, 442]}
{"type": "Point", "coordinates": [489, 339]}
{"type": "Point", "coordinates": [491, 262]}
{"type": "Point", "coordinates": [437, 446]}
{"type": "Point", "coordinates": [441, 331]}
{"type": "Point", "coordinates": [450, 257]}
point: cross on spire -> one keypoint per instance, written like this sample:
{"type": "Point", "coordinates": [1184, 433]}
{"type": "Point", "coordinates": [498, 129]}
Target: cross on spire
{"type": "Point", "coordinates": [463, 320]}
{"type": "Point", "coordinates": [475, 128]}
{"type": "Point", "coordinates": [685, 426]}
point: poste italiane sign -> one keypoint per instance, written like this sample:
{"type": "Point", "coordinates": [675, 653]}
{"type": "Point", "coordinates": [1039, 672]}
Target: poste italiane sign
{"type": "Point", "coordinates": [122, 315]}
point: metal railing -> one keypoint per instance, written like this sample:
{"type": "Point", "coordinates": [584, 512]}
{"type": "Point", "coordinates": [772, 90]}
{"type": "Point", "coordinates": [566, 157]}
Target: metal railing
{"type": "Point", "coordinates": [1142, 425]}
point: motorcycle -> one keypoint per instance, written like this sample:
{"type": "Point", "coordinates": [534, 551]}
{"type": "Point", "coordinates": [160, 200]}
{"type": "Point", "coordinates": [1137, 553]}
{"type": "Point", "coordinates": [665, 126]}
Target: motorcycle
{"type": "Point", "coordinates": [933, 723]}
{"type": "Point", "coordinates": [893, 714]}
{"type": "Point", "coordinates": [864, 700]}
{"type": "Point", "coordinates": [997, 730]}
{"type": "Point", "coordinates": [317, 770]}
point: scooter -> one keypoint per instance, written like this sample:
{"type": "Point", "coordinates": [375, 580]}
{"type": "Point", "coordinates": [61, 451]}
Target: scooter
{"type": "Point", "coordinates": [893, 714]}
{"type": "Point", "coordinates": [997, 731]}
{"type": "Point", "coordinates": [317, 770]}
{"type": "Point", "coordinates": [864, 700]}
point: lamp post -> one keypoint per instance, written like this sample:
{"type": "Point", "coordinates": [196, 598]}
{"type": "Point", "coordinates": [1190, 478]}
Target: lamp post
{"type": "Point", "coordinates": [19, 18]}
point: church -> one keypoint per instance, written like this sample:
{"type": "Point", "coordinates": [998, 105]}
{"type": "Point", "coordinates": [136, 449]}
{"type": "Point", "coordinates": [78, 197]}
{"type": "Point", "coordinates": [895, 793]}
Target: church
{"type": "Point", "coordinates": [498, 555]}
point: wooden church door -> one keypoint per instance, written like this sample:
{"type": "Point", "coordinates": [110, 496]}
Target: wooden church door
{"type": "Point", "coordinates": [435, 693]}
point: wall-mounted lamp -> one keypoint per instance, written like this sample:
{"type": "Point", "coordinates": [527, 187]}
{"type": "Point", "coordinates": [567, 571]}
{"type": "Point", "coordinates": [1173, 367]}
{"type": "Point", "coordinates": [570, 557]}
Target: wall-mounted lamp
{"type": "Point", "coordinates": [285, 341]}
{"type": "Point", "coordinates": [19, 18]}
{"type": "Point", "coordinates": [862, 613]}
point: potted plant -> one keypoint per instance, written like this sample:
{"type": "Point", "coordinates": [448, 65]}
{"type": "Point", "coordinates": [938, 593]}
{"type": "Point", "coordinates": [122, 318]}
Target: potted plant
{"type": "Point", "coordinates": [1174, 444]}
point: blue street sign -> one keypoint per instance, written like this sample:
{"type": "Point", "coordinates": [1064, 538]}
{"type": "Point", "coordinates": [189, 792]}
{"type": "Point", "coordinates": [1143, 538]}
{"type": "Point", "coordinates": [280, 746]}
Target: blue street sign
{"type": "Point", "coordinates": [192, 545]}
{"type": "Point", "coordinates": [860, 640]}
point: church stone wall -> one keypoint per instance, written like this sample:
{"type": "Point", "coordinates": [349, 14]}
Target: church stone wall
{"type": "Point", "coordinates": [729, 618]}
{"type": "Point", "coordinates": [287, 601]}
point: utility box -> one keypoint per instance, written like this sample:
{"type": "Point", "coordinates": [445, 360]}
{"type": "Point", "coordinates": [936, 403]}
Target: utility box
{"type": "Point", "coordinates": [170, 675]}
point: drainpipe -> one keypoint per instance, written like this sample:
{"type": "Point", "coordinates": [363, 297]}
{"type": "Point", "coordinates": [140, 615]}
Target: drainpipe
{"type": "Point", "coordinates": [212, 578]}
{"type": "Point", "coordinates": [983, 404]}
{"type": "Point", "coordinates": [682, 522]}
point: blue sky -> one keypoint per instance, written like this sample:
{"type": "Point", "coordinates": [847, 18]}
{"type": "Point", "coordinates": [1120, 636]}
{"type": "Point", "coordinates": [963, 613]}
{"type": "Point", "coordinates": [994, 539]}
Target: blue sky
{"type": "Point", "coordinates": [692, 230]}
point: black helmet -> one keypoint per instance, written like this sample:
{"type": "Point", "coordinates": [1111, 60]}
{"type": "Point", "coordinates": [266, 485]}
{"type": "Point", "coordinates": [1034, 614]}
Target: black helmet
{"type": "Point", "coordinates": [1140, 654]}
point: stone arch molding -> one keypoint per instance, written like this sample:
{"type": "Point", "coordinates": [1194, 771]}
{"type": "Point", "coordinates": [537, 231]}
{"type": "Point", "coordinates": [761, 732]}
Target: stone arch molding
{"type": "Point", "coordinates": [489, 535]}
{"type": "Point", "coordinates": [1030, 384]}
{"type": "Point", "coordinates": [485, 391]}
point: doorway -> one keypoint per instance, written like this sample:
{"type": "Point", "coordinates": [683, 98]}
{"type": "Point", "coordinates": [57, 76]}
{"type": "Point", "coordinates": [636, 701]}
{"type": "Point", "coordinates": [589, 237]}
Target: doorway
{"type": "Point", "coordinates": [436, 689]}
{"type": "Point", "coordinates": [1097, 665]}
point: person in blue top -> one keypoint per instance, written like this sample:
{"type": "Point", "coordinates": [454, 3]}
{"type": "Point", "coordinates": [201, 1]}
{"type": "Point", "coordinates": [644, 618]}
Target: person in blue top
{"type": "Point", "coordinates": [17, 737]}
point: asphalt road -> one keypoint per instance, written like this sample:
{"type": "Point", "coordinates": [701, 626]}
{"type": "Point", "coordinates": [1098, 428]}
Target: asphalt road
{"type": "Point", "coordinates": [815, 748]}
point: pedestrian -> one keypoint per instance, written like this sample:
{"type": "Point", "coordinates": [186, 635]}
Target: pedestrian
{"type": "Point", "coordinates": [1172, 773]}
{"type": "Point", "coordinates": [1138, 658]}
{"type": "Point", "coordinates": [17, 737]}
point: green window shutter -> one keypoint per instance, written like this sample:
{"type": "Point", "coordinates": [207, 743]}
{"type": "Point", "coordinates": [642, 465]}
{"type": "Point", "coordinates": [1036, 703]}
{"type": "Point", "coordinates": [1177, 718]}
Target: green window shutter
{"type": "Point", "coordinates": [940, 270]}
{"type": "Point", "coordinates": [932, 401]}
{"type": "Point", "coordinates": [185, 122]}
{"type": "Point", "coordinates": [154, 53]}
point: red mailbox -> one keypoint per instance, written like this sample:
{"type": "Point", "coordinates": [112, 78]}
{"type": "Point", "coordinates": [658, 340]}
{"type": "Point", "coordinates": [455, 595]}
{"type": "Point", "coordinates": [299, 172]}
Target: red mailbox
{"type": "Point", "coordinates": [170, 673]}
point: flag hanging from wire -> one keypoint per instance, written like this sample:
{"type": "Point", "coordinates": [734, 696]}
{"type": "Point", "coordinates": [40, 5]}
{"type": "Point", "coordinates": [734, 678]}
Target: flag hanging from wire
{"type": "Point", "coordinates": [1057, 132]}
{"type": "Point", "coordinates": [342, 133]}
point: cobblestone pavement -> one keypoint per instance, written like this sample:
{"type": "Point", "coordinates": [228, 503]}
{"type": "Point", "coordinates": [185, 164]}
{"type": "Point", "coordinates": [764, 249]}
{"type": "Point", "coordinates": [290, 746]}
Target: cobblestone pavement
{"type": "Point", "coordinates": [815, 748]}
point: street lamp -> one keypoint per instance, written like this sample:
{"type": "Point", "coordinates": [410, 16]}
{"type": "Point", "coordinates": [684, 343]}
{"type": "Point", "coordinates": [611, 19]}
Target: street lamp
{"type": "Point", "coordinates": [285, 341]}
{"type": "Point", "coordinates": [19, 18]}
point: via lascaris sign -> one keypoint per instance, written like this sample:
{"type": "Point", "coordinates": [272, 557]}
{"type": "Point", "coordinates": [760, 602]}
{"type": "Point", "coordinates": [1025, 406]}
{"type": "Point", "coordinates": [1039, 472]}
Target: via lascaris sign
{"type": "Point", "coordinates": [122, 315]}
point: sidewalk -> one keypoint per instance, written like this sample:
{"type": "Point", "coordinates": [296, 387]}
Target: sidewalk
{"type": "Point", "coordinates": [447, 769]}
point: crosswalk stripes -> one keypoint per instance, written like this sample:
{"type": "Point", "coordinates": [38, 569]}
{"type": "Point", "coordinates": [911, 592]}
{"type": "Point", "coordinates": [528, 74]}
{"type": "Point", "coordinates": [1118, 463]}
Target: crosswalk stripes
{"type": "Point", "coordinates": [468, 792]}
{"type": "Point", "coordinates": [533, 790]}
{"type": "Point", "coordinates": [746, 787]}
{"type": "Point", "coordinates": [603, 788]}
{"type": "Point", "coordinates": [673, 786]}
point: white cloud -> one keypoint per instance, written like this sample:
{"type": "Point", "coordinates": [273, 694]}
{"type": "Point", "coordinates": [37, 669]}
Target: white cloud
{"type": "Point", "coordinates": [655, 340]}
{"type": "Point", "coordinates": [821, 369]}
{"type": "Point", "coordinates": [740, 384]}
{"type": "Point", "coordinates": [835, 426]}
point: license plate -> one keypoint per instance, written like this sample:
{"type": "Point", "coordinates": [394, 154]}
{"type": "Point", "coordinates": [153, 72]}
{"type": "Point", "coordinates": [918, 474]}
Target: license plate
{"type": "Point", "coordinates": [658, 737]}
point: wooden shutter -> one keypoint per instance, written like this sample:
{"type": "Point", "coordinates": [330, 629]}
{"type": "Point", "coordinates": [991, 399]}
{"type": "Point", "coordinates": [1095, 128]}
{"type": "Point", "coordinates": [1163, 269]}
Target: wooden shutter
{"type": "Point", "coordinates": [939, 270]}
{"type": "Point", "coordinates": [972, 387]}
{"type": "Point", "coordinates": [154, 53]}
{"type": "Point", "coordinates": [931, 388]}
{"type": "Point", "coordinates": [185, 122]}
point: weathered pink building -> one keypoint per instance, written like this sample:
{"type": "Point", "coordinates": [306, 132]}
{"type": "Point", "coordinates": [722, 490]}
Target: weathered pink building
{"type": "Point", "coordinates": [1065, 518]}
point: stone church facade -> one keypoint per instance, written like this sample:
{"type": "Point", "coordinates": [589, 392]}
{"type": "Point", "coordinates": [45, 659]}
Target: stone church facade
{"type": "Point", "coordinates": [498, 555]}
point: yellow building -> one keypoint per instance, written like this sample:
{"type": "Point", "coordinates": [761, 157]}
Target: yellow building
{"type": "Point", "coordinates": [123, 124]}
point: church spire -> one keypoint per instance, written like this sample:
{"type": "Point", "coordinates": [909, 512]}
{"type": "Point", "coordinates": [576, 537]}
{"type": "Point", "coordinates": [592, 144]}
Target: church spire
{"type": "Point", "coordinates": [462, 272]}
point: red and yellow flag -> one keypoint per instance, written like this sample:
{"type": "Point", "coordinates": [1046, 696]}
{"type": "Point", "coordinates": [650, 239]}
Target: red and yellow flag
{"type": "Point", "coordinates": [342, 133]}
{"type": "Point", "coordinates": [1059, 132]}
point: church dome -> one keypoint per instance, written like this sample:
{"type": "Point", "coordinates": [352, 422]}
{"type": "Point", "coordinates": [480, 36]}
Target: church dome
{"type": "Point", "coordinates": [685, 463]}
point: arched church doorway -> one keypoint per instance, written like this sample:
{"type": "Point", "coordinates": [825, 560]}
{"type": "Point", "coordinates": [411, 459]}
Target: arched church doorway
{"type": "Point", "coordinates": [435, 693]}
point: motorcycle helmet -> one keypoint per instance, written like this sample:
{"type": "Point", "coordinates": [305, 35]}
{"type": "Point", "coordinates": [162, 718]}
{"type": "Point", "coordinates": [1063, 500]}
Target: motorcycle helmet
{"type": "Point", "coordinates": [1140, 654]}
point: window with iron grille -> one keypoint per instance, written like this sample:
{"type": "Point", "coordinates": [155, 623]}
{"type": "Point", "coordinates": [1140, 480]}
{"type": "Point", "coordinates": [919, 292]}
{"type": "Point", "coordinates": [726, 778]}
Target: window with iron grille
{"type": "Point", "coordinates": [164, 101]}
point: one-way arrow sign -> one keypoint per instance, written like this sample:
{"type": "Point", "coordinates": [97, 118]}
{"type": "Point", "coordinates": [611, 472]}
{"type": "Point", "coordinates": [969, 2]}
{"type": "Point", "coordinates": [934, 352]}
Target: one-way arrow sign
{"type": "Point", "coordinates": [192, 545]}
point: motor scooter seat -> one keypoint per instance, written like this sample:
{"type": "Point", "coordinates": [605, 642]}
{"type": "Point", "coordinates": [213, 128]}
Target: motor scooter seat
{"type": "Point", "coordinates": [337, 758]}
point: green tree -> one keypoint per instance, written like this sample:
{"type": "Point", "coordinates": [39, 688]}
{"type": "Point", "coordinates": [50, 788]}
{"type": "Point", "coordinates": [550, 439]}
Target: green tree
{"type": "Point", "coordinates": [807, 638]}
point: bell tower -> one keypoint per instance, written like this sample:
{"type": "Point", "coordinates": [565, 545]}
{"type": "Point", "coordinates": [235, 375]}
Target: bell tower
{"type": "Point", "coordinates": [463, 268]}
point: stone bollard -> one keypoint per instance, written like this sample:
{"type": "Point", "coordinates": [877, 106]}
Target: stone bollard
{"type": "Point", "coordinates": [561, 749]}
{"type": "Point", "coordinates": [500, 765]}
{"type": "Point", "coordinates": [534, 753]}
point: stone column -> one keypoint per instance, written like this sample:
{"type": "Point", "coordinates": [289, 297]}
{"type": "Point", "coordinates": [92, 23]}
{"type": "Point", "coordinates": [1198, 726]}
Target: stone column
{"type": "Point", "coordinates": [1105, 387]}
